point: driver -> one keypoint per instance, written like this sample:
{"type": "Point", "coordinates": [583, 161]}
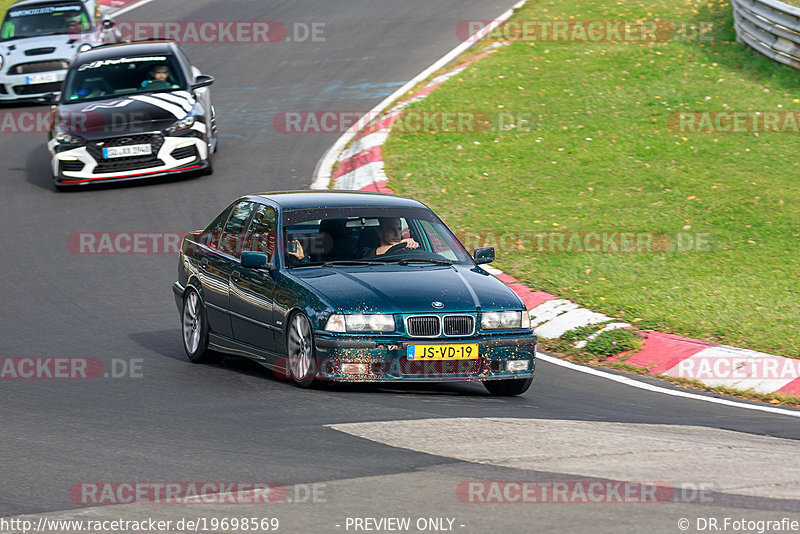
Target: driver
{"type": "Point", "coordinates": [159, 78]}
{"type": "Point", "coordinates": [390, 232]}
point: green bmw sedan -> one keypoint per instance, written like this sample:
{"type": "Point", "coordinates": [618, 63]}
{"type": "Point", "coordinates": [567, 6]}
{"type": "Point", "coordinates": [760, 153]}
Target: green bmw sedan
{"type": "Point", "coordinates": [350, 287]}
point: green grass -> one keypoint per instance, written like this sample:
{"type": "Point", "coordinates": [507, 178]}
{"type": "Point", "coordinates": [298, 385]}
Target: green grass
{"type": "Point", "coordinates": [635, 174]}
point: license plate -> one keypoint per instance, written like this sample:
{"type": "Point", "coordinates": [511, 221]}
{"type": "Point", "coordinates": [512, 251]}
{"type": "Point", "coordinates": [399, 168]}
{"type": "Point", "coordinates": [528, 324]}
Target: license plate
{"type": "Point", "coordinates": [41, 78]}
{"type": "Point", "coordinates": [442, 352]}
{"type": "Point", "coordinates": [127, 151]}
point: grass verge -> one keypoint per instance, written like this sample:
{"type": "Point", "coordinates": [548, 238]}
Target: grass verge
{"type": "Point", "coordinates": [596, 151]}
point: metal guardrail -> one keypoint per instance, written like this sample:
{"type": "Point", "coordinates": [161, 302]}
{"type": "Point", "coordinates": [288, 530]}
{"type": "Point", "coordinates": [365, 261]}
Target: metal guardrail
{"type": "Point", "coordinates": [770, 27]}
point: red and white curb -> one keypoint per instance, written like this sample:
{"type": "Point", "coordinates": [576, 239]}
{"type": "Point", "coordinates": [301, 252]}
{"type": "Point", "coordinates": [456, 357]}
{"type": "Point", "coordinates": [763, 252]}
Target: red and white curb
{"type": "Point", "coordinates": [119, 7]}
{"type": "Point", "coordinates": [358, 159]}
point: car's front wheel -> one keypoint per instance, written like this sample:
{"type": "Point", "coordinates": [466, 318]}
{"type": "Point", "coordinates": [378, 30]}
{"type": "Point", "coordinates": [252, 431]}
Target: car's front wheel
{"type": "Point", "coordinates": [300, 345]}
{"type": "Point", "coordinates": [195, 329]}
{"type": "Point", "coordinates": [509, 387]}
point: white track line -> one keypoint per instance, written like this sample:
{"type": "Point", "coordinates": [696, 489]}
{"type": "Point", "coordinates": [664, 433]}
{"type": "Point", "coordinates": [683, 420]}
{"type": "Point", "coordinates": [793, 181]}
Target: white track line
{"type": "Point", "coordinates": [130, 8]}
{"type": "Point", "coordinates": [657, 389]}
{"type": "Point", "coordinates": [322, 174]}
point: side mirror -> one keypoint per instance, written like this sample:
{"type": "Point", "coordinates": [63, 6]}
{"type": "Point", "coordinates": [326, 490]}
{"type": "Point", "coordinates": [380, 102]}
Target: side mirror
{"type": "Point", "coordinates": [203, 80]}
{"type": "Point", "coordinates": [254, 260]}
{"type": "Point", "coordinates": [483, 255]}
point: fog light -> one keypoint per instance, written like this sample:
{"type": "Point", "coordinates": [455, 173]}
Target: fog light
{"type": "Point", "coordinates": [517, 365]}
{"type": "Point", "coordinates": [350, 368]}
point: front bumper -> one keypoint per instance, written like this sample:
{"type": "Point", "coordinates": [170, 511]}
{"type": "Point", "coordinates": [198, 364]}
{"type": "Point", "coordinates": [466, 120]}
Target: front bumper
{"type": "Point", "coordinates": [387, 361]}
{"type": "Point", "coordinates": [77, 166]}
{"type": "Point", "coordinates": [16, 87]}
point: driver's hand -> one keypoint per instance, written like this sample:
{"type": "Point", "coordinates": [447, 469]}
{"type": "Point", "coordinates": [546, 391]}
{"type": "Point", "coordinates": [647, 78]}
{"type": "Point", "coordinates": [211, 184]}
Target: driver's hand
{"type": "Point", "coordinates": [410, 243]}
{"type": "Point", "coordinates": [299, 254]}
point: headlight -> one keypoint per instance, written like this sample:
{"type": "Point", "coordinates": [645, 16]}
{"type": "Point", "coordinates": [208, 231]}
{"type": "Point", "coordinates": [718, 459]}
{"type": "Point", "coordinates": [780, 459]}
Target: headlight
{"type": "Point", "coordinates": [1, 61]}
{"type": "Point", "coordinates": [360, 323]}
{"type": "Point", "coordinates": [503, 320]}
{"type": "Point", "coordinates": [84, 47]}
{"type": "Point", "coordinates": [67, 139]}
{"type": "Point", "coordinates": [183, 124]}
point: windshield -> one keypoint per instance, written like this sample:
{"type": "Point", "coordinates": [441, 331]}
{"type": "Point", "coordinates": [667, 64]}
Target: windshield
{"type": "Point", "coordinates": [109, 78]}
{"type": "Point", "coordinates": [45, 20]}
{"type": "Point", "coordinates": [352, 235]}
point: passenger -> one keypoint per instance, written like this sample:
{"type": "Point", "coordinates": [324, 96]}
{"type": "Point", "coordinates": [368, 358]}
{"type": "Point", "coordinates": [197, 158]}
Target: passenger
{"type": "Point", "coordinates": [297, 256]}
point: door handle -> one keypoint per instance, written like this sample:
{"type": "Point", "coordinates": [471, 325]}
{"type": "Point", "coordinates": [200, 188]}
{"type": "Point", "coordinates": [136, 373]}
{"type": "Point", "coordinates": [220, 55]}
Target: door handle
{"type": "Point", "coordinates": [235, 276]}
{"type": "Point", "coordinates": [204, 263]}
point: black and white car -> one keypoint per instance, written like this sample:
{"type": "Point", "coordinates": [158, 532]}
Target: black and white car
{"type": "Point", "coordinates": [131, 111]}
{"type": "Point", "coordinates": [39, 39]}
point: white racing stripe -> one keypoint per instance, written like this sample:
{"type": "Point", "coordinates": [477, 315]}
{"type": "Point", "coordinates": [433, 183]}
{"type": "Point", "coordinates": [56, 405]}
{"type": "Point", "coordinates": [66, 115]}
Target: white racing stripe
{"type": "Point", "coordinates": [175, 110]}
{"type": "Point", "coordinates": [182, 102]}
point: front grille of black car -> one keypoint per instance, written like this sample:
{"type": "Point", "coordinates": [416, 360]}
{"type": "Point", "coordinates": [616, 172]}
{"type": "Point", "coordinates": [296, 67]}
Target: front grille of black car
{"type": "Point", "coordinates": [132, 163]}
{"type": "Point", "coordinates": [71, 166]}
{"type": "Point", "coordinates": [126, 164]}
{"type": "Point", "coordinates": [185, 152]}
{"type": "Point", "coordinates": [39, 51]}
{"type": "Point", "coordinates": [423, 326]}
{"type": "Point", "coordinates": [39, 66]}
{"type": "Point", "coordinates": [37, 88]}
{"type": "Point", "coordinates": [459, 325]}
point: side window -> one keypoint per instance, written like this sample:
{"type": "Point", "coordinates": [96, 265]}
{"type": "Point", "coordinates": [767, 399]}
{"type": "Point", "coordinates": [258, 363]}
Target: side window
{"type": "Point", "coordinates": [263, 231]}
{"type": "Point", "coordinates": [214, 231]}
{"type": "Point", "coordinates": [234, 229]}
{"type": "Point", "coordinates": [438, 243]}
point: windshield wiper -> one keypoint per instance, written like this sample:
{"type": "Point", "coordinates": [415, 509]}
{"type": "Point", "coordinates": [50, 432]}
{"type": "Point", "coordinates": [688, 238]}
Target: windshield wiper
{"type": "Point", "coordinates": [350, 262]}
{"type": "Point", "coordinates": [409, 261]}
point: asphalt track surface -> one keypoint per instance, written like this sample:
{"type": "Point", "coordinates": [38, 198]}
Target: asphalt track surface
{"type": "Point", "coordinates": [235, 421]}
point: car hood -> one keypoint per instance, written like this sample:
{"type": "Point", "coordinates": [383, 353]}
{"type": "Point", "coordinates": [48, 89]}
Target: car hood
{"type": "Point", "coordinates": [408, 289]}
{"type": "Point", "coordinates": [125, 115]}
{"type": "Point", "coordinates": [65, 47]}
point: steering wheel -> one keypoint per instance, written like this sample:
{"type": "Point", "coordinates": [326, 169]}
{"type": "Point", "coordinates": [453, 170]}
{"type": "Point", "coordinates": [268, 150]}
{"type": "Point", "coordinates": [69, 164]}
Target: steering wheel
{"type": "Point", "coordinates": [399, 246]}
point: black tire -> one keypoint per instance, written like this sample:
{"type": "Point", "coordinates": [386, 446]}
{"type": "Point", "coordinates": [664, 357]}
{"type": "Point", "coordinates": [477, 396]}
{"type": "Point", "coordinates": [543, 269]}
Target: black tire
{"type": "Point", "coordinates": [301, 354]}
{"type": "Point", "coordinates": [509, 387]}
{"type": "Point", "coordinates": [194, 329]}
{"type": "Point", "coordinates": [210, 160]}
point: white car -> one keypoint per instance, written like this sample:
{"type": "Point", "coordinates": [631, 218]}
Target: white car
{"type": "Point", "coordinates": [40, 38]}
{"type": "Point", "coordinates": [131, 111]}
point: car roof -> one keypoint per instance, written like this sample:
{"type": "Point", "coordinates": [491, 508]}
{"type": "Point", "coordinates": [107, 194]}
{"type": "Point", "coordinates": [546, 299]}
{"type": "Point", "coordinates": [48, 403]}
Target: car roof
{"type": "Point", "coordinates": [28, 3]}
{"type": "Point", "coordinates": [144, 48]}
{"type": "Point", "coordinates": [295, 200]}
